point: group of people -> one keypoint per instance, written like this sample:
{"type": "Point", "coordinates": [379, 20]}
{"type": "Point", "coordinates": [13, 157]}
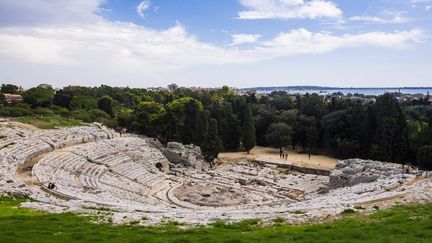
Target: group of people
{"type": "Point", "coordinates": [283, 153]}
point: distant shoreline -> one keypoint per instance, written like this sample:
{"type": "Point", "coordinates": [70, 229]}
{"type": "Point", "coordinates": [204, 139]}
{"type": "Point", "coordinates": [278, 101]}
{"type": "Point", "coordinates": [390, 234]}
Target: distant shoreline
{"type": "Point", "coordinates": [345, 90]}
{"type": "Point", "coordinates": [330, 88]}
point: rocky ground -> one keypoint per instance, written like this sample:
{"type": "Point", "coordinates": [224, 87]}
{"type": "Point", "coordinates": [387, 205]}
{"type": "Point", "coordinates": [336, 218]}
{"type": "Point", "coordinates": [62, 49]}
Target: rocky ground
{"type": "Point", "coordinates": [133, 178]}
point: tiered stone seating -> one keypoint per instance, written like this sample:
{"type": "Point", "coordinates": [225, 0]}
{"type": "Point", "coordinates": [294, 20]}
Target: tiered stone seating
{"type": "Point", "coordinates": [7, 139]}
{"type": "Point", "coordinates": [114, 159]}
{"type": "Point", "coordinates": [94, 152]}
{"type": "Point", "coordinates": [123, 187]}
{"type": "Point", "coordinates": [90, 175]}
{"type": "Point", "coordinates": [76, 135]}
{"type": "Point", "coordinates": [109, 169]}
{"type": "Point", "coordinates": [100, 170]}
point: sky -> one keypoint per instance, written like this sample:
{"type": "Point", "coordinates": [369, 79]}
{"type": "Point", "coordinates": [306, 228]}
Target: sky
{"type": "Point", "coordinates": [240, 43]}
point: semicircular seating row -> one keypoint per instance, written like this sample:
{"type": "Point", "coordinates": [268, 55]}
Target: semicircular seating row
{"type": "Point", "coordinates": [19, 145]}
{"type": "Point", "coordinates": [109, 172]}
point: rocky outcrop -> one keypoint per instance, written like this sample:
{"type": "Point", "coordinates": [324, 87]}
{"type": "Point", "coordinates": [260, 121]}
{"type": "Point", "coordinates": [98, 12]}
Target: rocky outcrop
{"type": "Point", "coordinates": [355, 171]}
{"type": "Point", "coordinates": [184, 155]}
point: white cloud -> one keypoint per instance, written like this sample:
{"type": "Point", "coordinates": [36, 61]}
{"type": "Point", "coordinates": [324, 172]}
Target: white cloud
{"type": "Point", "coordinates": [125, 47]}
{"type": "Point", "coordinates": [384, 17]}
{"type": "Point", "coordinates": [39, 12]}
{"type": "Point", "coordinates": [394, 20]}
{"type": "Point", "coordinates": [238, 39]}
{"type": "Point", "coordinates": [427, 8]}
{"type": "Point", "coordinates": [289, 9]}
{"type": "Point", "coordinates": [302, 41]}
{"type": "Point", "coordinates": [100, 49]}
{"type": "Point", "coordinates": [143, 7]}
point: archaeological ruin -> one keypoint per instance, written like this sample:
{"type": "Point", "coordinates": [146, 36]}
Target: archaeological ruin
{"type": "Point", "coordinates": [80, 169]}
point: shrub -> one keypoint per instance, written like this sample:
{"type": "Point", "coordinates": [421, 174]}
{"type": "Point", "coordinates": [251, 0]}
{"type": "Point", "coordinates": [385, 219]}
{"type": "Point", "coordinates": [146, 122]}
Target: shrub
{"type": "Point", "coordinates": [82, 115]}
{"type": "Point", "coordinates": [58, 110]}
{"type": "Point", "coordinates": [43, 111]}
{"type": "Point", "coordinates": [98, 115]}
{"type": "Point", "coordinates": [15, 111]}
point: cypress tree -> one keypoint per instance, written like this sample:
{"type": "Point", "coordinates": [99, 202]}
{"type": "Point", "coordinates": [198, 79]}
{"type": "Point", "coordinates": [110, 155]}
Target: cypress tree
{"type": "Point", "coordinates": [212, 144]}
{"type": "Point", "coordinates": [202, 128]}
{"type": "Point", "coordinates": [390, 142]}
{"type": "Point", "coordinates": [248, 138]}
{"type": "Point", "coordinates": [229, 130]}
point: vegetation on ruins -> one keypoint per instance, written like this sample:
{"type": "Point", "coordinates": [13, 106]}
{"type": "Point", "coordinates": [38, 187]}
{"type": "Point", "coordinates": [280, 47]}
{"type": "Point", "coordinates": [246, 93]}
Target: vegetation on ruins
{"type": "Point", "coordinates": [385, 130]}
{"type": "Point", "coordinates": [399, 224]}
{"type": "Point", "coordinates": [50, 122]}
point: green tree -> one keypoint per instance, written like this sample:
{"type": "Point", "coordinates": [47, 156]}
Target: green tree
{"type": "Point", "coordinates": [279, 135]}
{"type": "Point", "coordinates": [191, 125]}
{"type": "Point", "coordinates": [148, 118]}
{"type": "Point", "coordinates": [281, 100]}
{"type": "Point", "coordinates": [346, 131]}
{"type": "Point", "coordinates": [82, 115]}
{"type": "Point", "coordinates": [9, 89]}
{"type": "Point", "coordinates": [390, 142]}
{"type": "Point", "coordinates": [183, 119]}
{"type": "Point", "coordinates": [424, 156]}
{"type": "Point", "coordinates": [202, 127]}
{"type": "Point", "coordinates": [124, 117]}
{"type": "Point", "coordinates": [306, 132]}
{"type": "Point", "coordinates": [229, 129]}
{"type": "Point", "coordinates": [173, 87]}
{"type": "Point", "coordinates": [289, 117]}
{"type": "Point", "coordinates": [106, 104]}
{"type": "Point", "coordinates": [313, 105]}
{"type": "Point", "coordinates": [79, 102]}
{"type": "Point", "coordinates": [212, 144]}
{"type": "Point", "coordinates": [265, 115]}
{"type": "Point", "coordinates": [248, 136]}
{"type": "Point", "coordinates": [39, 97]}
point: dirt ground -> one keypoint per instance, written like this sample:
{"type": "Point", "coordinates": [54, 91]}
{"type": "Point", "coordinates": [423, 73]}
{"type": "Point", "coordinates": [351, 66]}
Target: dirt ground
{"type": "Point", "coordinates": [320, 161]}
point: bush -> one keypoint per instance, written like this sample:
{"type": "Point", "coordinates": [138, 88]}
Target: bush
{"type": "Point", "coordinates": [58, 110]}
{"type": "Point", "coordinates": [39, 97]}
{"type": "Point", "coordinates": [49, 122]}
{"type": "Point", "coordinates": [82, 115]}
{"type": "Point", "coordinates": [98, 115]}
{"type": "Point", "coordinates": [15, 111]}
{"type": "Point", "coordinates": [43, 111]}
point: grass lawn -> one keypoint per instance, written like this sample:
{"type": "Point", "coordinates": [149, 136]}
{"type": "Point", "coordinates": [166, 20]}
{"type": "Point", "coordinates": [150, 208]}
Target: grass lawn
{"type": "Point", "coordinates": [399, 224]}
{"type": "Point", "coordinates": [50, 122]}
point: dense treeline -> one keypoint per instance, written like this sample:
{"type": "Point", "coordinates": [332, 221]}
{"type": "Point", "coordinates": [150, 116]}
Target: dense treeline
{"type": "Point", "coordinates": [219, 120]}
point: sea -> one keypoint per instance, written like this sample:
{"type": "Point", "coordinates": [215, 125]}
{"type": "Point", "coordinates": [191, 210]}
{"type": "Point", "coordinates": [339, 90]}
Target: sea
{"type": "Point", "coordinates": [346, 91]}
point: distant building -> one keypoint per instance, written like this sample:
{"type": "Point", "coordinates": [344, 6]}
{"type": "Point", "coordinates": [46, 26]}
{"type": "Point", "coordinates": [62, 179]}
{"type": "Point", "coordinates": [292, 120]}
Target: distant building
{"type": "Point", "coordinates": [11, 98]}
{"type": "Point", "coordinates": [45, 86]}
